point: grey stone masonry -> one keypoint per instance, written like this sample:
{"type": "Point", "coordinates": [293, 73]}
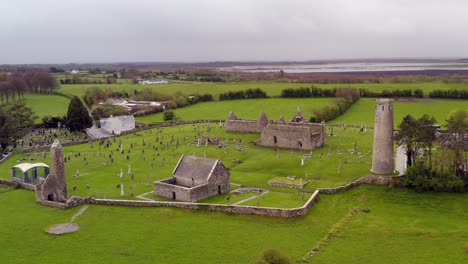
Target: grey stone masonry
{"type": "Point", "coordinates": [382, 155]}
{"type": "Point", "coordinates": [54, 187]}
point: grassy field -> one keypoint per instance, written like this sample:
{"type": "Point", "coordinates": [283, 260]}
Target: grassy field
{"type": "Point", "coordinates": [245, 109]}
{"type": "Point", "coordinates": [43, 105]}
{"type": "Point", "coordinates": [153, 154]}
{"type": "Point", "coordinates": [272, 89]}
{"type": "Point", "coordinates": [402, 227]}
{"type": "Point", "coordinates": [363, 111]}
{"type": "Point", "coordinates": [360, 113]}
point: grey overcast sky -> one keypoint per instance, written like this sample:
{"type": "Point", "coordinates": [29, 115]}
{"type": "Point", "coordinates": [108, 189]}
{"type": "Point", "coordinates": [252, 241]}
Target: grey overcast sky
{"type": "Point", "coordinates": [64, 31]}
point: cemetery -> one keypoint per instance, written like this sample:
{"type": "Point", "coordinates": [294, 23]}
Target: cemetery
{"type": "Point", "coordinates": [271, 182]}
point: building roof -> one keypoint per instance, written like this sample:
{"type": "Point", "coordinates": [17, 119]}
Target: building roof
{"type": "Point", "coordinates": [193, 167]}
{"type": "Point", "coordinates": [118, 123]}
{"type": "Point", "coordinates": [24, 167]}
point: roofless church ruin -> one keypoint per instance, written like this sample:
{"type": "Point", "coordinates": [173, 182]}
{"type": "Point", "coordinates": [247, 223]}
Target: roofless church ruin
{"type": "Point", "coordinates": [296, 134]}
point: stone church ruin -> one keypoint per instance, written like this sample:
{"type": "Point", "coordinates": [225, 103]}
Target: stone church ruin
{"type": "Point", "coordinates": [296, 134]}
{"type": "Point", "coordinates": [54, 187]}
{"type": "Point", "coordinates": [194, 178]}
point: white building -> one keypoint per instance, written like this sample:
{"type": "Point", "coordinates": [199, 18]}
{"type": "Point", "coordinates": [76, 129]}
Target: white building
{"type": "Point", "coordinates": [115, 125]}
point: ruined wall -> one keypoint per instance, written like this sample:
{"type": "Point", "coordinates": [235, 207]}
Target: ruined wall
{"type": "Point", "coordinates": [221, 178]}
{"type": "Point", "coordinates": [382, 155]}
{"type": "Point", "coordinates": [306, 136]}
{"type": "Point", "coordinates": [54, 187]}
{"type": "Point", "coordinates": [166, 188]}
{"type": "Point", "coordinates": [244, 126]}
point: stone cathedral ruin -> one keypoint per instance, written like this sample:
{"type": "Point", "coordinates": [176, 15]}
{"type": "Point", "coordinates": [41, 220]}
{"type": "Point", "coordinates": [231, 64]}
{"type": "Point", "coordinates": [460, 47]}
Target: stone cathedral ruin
{"type": "Point", "coordinates": [296, 134]}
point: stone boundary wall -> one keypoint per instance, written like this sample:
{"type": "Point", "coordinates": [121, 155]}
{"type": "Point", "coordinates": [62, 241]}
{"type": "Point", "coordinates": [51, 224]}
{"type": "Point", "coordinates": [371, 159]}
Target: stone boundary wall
{"type": "Point", "coordinates": [391, 181]}
{"type": "Point", "coordinates": [7, 156]}
{"type": "Point", "coordinates": [237, 209]}
{"type": "Point", "coordinates": [24, 185]}
{"type": "Point", "coordinates": [288, 185]}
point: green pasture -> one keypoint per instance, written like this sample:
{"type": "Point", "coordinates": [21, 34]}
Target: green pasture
{"type": "Point", "coordinates": [244, 109]}
{"type": "Point", "coordinates": [152, 155]}
{"type": "Point", "coordinates": [271, 88]}
{"type": "Point", "coordinates": [362, 112]}
{"type": "Point", "coordinates": [46, 104]}
{"type": "Point", "coordinates": [401, 227]}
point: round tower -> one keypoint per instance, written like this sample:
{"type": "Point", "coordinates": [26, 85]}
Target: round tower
{"type": "Point", "coordinates": [382, 155]}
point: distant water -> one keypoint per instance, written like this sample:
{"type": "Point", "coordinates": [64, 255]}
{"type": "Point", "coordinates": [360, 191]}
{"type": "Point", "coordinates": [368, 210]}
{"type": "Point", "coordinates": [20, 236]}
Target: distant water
{"type": "Point", "coordinates": [351, 67]}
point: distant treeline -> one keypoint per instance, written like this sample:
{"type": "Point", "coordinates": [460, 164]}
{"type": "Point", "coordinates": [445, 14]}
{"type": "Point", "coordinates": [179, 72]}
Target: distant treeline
{"type": "Point", "coordinates": [307, 92]}
{"type": "Point", "coordinates": [451, 94]}
{"type": "Point", "coordinates": [247, 94]}
{"type": "Point", "coordinates": [417, 93]}
{"type": "Point", "coordinates": [313, 91]}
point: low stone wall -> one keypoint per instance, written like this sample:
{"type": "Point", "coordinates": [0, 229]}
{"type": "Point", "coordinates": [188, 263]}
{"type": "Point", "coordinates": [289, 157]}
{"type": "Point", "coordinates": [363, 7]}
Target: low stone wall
{"type": "Point", "coordinates": [53, 204]}
{"type": "Point", "coordinates": [390, 181]}
{"type": "Point", "coordinates": [24, 185]}
{"type": "Point", "coordinates": [7, 156]}
{"type": "Point", "coordinates": [288, 185]}
{"type": "Point", "coordinates": [6, 182]}
{"type": "Point", "coordinates": [237, 209]}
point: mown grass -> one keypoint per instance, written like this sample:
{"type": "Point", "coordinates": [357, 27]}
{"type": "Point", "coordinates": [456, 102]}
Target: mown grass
{"type": "Point", "coordinates": [245, 109]}
{"type": "Point", "coordinates": [271, 88]}
{"type": "Point", "coordinates": [362, 112]}
{"type": "Point", "coordinates": [402, 227]}
{"type": "Point", "coordinates": [46, 104]}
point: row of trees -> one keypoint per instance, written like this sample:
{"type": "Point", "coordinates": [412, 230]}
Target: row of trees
{"type": "Point", "coordinates": [440, 171]}
{"type": "Point", "coordinates": [417, 93]}
{"type": "Point", "coordinates": [307, 92]}
{"type": "Point", "coordinates": [247, 94]}
{"type": "Point", "coordinates": [13, 86]}
{"type": "Point", "coordinates": [346, 97]}
{"type": "Point", "coordinates": [450, 94]}
{"type": "Point", "coordinates": [304, 92]}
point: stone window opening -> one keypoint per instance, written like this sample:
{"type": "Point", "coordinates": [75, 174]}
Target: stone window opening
{"type": "Point", "coordinates": [383, 107]}
{"type": "Point", "coordinates": [219, 189]}
{"type": "Point", "coordinates": [275, 140]}
{"type": "Point", "coordinates": [173, 196]}
{"type": "Point", "coordinates": [299, 143]}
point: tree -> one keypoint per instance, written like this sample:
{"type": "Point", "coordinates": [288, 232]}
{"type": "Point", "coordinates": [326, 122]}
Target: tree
{"type": "Point", "coordinates": [457, 126]}
{"type": "Point", "coordinates": [77, 116]}
{"type": "Point", "coordinates": [16, 120]}
{"type": "Point", "coordinates": [416, 134]}
{"type": "Point", "coordinates": [169, 115]}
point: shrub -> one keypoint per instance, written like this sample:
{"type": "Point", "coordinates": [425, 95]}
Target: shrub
{"type": "Point", "coordinates": [273, 256]}
{"type": "Point", "coordinates": [169, 115]}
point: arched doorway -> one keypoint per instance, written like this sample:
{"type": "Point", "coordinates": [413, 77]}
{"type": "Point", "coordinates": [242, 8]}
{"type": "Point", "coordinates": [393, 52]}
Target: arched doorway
{"type": "Point", "coordinates": [173, 196]}
{"type": "Point", "coordinates": [299, 145]}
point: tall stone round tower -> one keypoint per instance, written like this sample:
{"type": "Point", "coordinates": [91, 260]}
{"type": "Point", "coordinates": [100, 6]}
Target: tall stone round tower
{"type": "Point", "coordinates": [382, 156]}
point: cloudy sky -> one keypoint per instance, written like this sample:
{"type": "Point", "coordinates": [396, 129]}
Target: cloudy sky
{"type": "Point", "coordinates": [58, 31]}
